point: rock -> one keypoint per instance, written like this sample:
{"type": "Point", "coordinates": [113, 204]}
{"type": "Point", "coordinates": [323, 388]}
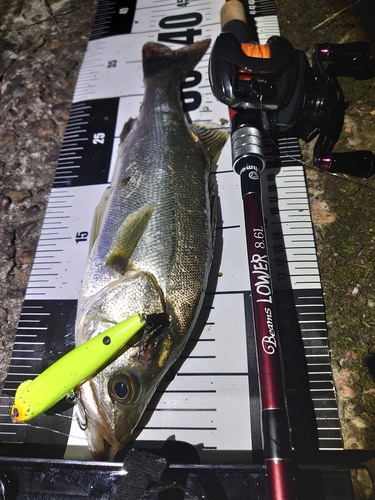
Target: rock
{"type": "Point", "coordinates": [3, 316]}
{"type": "Point", "coordinates": [6, 45]}
{"type": "Point", "coordinates": [18, 195]}
{"type": "Point", "coordinates": [5, 202]}
{"type": "Point", "coordinates": [38, 41]}
{"type": "Point", "coordinates": [6, 136]}
{"type": "Point", "coordinates": [321, 214]}
{"type": "Point", "coordinates": [70, 65]}
{"type": "Point", "coordinates": [16, 294]}
{"type": "Point", "coordinates": [25, 45]}
{"type": "Point", "coordinates": [24, 229]}
{"type": "Point", "coordinates": [362, 108]}
{"type": "Point", "coordinates": [42, 129]}
{"type": "Point", "coordinates": [55, 45]}
{"type": "Point", "coordinates": [343, 389]}
{"type": "Point", "coordinates": [42, 195]}
{"type": "Point", "coordinates": [355, 290]}
{"type": "Point", "coordinates": [53, 155]}
{"type": "Point", "coordinates": [6, 268]}
{"type": "Point", "coordinates": [34, 209]}
{"type": "Point", "coordinates": [364, 479]}
{"type": "Point", "coordinates": [359, 422]}
{"type": "Point", "coordinates": [26, 254]}
{"type": "Point", "coordinates": [7, 249]}
{"type": "Point", "coordinates": [62, 110]}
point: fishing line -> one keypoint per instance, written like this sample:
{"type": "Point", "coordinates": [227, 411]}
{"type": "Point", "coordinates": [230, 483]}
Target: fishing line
{"type": "Point", "coordinates": [40, 427]}
{"type": "Point", "coordinates": [81, 423]}
{"type": "Point", "coordinates": [335, 174]}
{"type": "Point", "coordinates": [316, 169]}
{"type": "Point", "coordinates": [68, 417]}
{"type": "Point", "coordinates": [338, 175]}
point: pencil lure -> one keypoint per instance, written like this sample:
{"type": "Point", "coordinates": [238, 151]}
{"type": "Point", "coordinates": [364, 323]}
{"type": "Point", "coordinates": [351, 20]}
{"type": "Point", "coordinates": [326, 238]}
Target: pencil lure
{"type": "Point", "coordinates": [34, 397]}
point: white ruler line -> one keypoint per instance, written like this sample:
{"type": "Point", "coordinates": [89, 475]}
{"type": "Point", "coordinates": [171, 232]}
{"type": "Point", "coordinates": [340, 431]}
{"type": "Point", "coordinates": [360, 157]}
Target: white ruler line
{"type": "Point", "coordinates": [32, 328]}
{"type": "Point", "coordinates": [26, 359]}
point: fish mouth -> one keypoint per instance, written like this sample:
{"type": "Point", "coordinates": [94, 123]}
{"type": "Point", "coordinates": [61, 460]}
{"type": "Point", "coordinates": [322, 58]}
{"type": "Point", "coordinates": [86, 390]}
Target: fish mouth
{"type": "Point", "coordinates": [106, 431]}
{"type": "Point", "coordinates": [103, 442]}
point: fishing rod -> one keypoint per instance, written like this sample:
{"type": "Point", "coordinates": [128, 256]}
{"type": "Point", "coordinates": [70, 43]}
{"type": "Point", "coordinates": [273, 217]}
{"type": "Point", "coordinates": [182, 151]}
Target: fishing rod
{"type": "Point", "coordinates": [272, 90]}
{"type": "Point", "coordinates": [249, 161]}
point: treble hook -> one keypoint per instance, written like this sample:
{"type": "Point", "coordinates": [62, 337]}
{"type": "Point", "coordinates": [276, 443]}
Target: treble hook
{"type": "Point", "coordinates": [153, 323]}
{"type": "Point", "coordinates": [81, 415]}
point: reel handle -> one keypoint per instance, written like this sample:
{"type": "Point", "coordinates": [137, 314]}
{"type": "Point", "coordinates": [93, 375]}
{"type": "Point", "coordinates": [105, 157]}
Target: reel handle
{"type": "Point", "coordinates": [353, 55]}
{"type": "Point", "coordinates": [356, 164]}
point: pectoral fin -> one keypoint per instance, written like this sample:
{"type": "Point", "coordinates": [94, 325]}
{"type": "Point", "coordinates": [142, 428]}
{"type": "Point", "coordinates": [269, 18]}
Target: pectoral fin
{"type": "Point", "coordinates": [128, 236]}
{"type": "Point", "coordinates": [213, 138]}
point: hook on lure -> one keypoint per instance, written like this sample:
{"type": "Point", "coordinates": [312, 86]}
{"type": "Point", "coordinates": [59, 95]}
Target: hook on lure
{"type": "Point", "coordinates": [154, 325]}
{"type": "Point", "coordinates": [34, 397]}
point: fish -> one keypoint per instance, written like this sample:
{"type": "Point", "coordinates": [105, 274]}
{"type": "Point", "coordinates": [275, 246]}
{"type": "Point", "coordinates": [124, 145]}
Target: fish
{"type": "Point", "coordinates": [152, 242]}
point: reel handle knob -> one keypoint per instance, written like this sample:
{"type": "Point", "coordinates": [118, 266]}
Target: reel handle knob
{"type": "Point", "coordinates": [357, 163]}
{"type": "Point", "coordinates": [350, 55]}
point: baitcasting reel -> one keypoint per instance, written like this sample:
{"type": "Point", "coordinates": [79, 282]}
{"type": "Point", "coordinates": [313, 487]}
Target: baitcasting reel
{"type": "Point", "coordinates": [277, 82]}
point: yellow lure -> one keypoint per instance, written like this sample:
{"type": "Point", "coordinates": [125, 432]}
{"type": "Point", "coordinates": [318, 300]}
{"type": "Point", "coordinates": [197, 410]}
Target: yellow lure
{"type": "Point", "coordinates": [34, 397]}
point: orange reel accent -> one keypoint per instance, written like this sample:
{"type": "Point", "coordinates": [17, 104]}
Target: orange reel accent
{"type": "Point", "coordinates": [256, 50]}
{"type": "Point", "coordinates": [253, 50]}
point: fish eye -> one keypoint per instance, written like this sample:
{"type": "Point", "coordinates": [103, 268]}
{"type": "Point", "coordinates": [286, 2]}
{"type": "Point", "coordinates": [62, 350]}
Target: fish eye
{"type": "Point", "coordinates": [123, 388]}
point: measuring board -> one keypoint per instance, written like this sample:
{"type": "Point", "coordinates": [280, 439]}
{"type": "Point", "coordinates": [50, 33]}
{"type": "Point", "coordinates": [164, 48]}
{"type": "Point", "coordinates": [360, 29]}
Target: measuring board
{"type": "Point", "coordinates": [211, 396]}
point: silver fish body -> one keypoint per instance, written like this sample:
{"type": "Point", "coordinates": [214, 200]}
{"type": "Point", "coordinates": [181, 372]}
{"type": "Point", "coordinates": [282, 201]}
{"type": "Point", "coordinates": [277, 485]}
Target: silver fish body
{"type": "Point", "coordinates": [152, 247]}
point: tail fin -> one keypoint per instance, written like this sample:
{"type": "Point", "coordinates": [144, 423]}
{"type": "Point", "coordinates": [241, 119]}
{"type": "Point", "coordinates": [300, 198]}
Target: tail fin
{"type": "Point", "coordinates": [159, 59]}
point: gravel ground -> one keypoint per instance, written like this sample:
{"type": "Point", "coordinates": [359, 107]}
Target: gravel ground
{"type": "Point", "coordinates": [42, 44]}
